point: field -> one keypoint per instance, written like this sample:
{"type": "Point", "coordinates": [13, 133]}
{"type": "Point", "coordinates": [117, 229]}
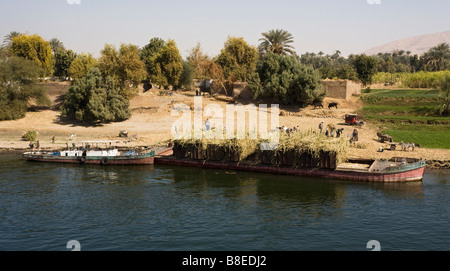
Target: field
{"type": "Point", "coordinates": [408, 115]}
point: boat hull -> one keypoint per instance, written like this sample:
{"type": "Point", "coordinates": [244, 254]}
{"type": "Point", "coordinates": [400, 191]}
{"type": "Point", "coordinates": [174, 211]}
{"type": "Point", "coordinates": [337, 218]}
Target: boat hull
{"type": "Point", "coordinates": [142, 159]}
{"type": "Point", "coordinates": [411, 174]}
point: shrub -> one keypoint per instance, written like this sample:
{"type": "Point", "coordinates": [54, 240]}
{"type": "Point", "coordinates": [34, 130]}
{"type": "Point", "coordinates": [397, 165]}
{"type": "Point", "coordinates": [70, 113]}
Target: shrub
{"type": "Point", "coordinates": [95, 99]}
{"type": "Point", "coordinates": [29, 136]}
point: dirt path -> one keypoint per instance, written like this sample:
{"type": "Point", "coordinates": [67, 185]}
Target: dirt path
{"type": "Point", "coordinates": [151, 121]}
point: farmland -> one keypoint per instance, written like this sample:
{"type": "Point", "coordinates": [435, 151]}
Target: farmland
{"type": "Point", "coordinates": [408, 115]}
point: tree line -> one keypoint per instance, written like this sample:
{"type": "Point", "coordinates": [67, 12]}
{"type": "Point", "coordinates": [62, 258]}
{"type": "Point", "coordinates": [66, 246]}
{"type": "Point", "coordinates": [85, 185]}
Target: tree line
{"type": "Point", "coordinates": [102, 87]}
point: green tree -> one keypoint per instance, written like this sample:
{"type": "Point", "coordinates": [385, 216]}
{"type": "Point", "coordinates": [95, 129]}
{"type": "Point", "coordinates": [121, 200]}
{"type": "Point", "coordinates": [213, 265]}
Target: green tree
{"type": "Point", "coordinates": [34, 48]}
{"type": "Point", "coordinates": [95, 99]}
{"type": "Point", "coordinates": [19, 84]}
{"type": "Point", "coordinates": [163, 62]}
{"type": "Point", "coordinates": [131, 69]}
{"type": "Point", "coordinates": [56, 45]}
{"type": "Point", "coordinates": [149, 55]}
{"type": "Point", "coordinates": [444, 94]}
{"type": "Point", "coordinates": [437, 58]}
{"type": "Point", "coordinates": [285, 80]}
{"type": "Point", "coordinates": [108, 62]}
{"type": "Point", "coordinates": [187, 76]}
{"type": "Point", "coordinates": [276, 41]}
{"type": "Point", "coordinates": [366, 67]}
{"type": "Point", "coordinates": [170, 62]}
{"type": "Point", "coordinates": [237, 59]}
{"type": "Point", "coordinates": [124, 66]}
{"type": "Point", "coordinates": [63, 60]}
{"type": "Point", "coordinates": [7, 41]}
{"type": "Point", "coordinates": [81, 65]}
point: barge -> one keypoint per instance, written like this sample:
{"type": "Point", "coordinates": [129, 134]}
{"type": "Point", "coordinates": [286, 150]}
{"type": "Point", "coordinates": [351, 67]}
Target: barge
{"type": "Point", "coordinates": [396, 169]}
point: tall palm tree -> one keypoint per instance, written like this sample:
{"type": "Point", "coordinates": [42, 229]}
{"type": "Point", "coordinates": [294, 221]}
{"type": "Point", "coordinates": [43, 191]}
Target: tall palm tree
{"type": "Point", "coordinates": [56, 45]}
{"type": "Point", "coordinates": [276, 41]}
{"type": "Point", "coordinates": [8, 38]}
{"type": "Point", "coordinates": [438, 57]}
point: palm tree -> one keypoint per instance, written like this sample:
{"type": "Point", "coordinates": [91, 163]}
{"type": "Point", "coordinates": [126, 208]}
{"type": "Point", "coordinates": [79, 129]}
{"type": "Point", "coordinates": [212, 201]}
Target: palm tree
{"type": "Point", "coordinates": [56, 45]}
{"type": "Point", "coordinates": [437, 57]}
{"type": "Point", "coordinates": [276, 41]}
{"type": "Point", "coordinates": [8, 38]}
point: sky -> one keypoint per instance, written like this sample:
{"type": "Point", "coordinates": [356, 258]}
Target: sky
{"type": "Point", "coordinates": [350, 26]}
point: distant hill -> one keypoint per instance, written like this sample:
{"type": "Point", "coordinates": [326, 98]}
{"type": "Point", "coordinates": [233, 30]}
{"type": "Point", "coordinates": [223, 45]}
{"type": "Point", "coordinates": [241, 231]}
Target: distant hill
{"type": "Point", "coordinates": [417, 44]}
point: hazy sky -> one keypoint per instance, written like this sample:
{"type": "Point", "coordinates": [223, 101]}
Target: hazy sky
{"type": "Point", "coordinates": [351, 26]}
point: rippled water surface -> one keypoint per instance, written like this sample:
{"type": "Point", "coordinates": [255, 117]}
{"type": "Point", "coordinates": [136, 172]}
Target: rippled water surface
{"type": "Point", "coordinates": [155, 208]}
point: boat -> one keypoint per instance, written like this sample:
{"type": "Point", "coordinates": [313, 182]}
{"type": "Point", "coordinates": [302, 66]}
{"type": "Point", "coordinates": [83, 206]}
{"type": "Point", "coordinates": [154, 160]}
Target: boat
{"type": "Point", "coordinates": [89, 152]}
{"type": "Point", "coordinates": [396, 169]}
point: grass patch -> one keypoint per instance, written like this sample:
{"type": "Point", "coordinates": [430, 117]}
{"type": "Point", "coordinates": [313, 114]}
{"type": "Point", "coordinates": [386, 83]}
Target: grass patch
{"type": "Point", "coordinates": [428, 136]}
{"type": "Point", "coordinates": [408, 115]}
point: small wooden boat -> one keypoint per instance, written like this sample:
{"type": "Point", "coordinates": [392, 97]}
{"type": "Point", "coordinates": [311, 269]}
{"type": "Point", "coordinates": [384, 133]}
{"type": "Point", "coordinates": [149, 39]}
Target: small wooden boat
{"type": "Point", "coordinates": [87, 153]}
{"type": "Point", "coordinates": [397, 169]}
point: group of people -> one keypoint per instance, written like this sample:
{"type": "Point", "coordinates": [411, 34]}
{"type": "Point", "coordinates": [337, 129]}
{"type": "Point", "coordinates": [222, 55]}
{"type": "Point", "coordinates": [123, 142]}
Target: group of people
{"type": "Point", "coordinates": [37, 145]}
{"type": "Point", "coordinates": [289, 130]}
{"type": "Point", "coordinates": [330, 133]}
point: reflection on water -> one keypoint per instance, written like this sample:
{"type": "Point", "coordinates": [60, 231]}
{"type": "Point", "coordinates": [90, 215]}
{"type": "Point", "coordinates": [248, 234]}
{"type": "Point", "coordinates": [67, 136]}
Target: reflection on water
{"type": "Point", "coordinates": [178, 208]}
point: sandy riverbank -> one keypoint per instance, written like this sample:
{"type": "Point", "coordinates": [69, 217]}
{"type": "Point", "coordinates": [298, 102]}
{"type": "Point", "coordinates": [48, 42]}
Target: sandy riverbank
{"type": "Point", "coordinates": [152, 121]}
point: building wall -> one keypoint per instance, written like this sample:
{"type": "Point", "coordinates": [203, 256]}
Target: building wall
{"type": "Point", "coordinates": [341, 89]}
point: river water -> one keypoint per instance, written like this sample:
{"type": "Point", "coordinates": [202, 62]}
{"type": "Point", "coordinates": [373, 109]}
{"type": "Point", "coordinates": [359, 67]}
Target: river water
{"type": "Point", "coordinates": [162, 208]}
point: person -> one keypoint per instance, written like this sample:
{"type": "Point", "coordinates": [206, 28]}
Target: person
{"type": "Point", "coordinates": [381, 149]}
{"type": "Point", "coordinates": [355, 135]}
{"type": "Point", "coordinates": [321, 126]}
{"type": "Point", "coordinates": [53, 139]}
{"type": "Point", "coordinates": [327, 132]}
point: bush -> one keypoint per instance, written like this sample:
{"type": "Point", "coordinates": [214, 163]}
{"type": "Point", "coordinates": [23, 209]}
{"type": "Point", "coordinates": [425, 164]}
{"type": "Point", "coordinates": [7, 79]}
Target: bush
{"type": "Point", "coordinates": [29, 136]}
{"type": "Point", "coordinates": [19, 84]}
{"type": "Point", "coordinates": [285, 80]}
{"type": "Point", "coordinates": [421, 79]}
{"type": "Point", "coordinates": [95, 99]}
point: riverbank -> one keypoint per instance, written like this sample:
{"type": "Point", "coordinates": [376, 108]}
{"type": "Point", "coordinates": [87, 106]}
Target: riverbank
{"type": "Point", "coordinates": [151, 124]}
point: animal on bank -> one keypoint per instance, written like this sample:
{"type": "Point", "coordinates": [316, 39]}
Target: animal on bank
{"type": "Point", "coordinates": [331, 105]}
{"type": "Point", "coordinates": [318, 104]}
{"type": "Point", "coordinates": [407, 146]}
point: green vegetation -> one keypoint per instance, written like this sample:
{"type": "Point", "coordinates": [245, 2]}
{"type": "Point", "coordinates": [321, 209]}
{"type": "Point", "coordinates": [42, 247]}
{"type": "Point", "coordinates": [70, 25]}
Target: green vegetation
{"type": "Point", "coordinates": [444, 94]}
{"type": "Point", "coordinates": [285, 80]}
{"type": "Point", "coordinates": [34, 48]}
{"type": "Point", "coordinates": [124, 66]}
{"type": "Point", "coordinates": [29, 136]}
{"type": "Point", "coordinates": [237, 59]}
{"type": "Point", "coordinates": [95, 99]}
{"type": "Point", "coordinates": [409, 115]}
{"type": "Point", "coordinates": [163, 62]}
{"type": "Point", "coordinates": [19, 84]}
{"type": "Point", "coordinates": [429, 136]}
{"type": "Point", "coordinates": [81, 65]}
{"type": "Point", "coordinates": [421, 79]}
{"type": "Point", "coordinates": [63, 60]}
{"type": "Point", "coordinates": [276, 41]}
{"type": "Point", "coordinates": [366, 68]}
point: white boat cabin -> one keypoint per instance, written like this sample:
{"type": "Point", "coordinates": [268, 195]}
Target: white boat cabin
{"type": "Point", "coordinates": [90, 148]}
